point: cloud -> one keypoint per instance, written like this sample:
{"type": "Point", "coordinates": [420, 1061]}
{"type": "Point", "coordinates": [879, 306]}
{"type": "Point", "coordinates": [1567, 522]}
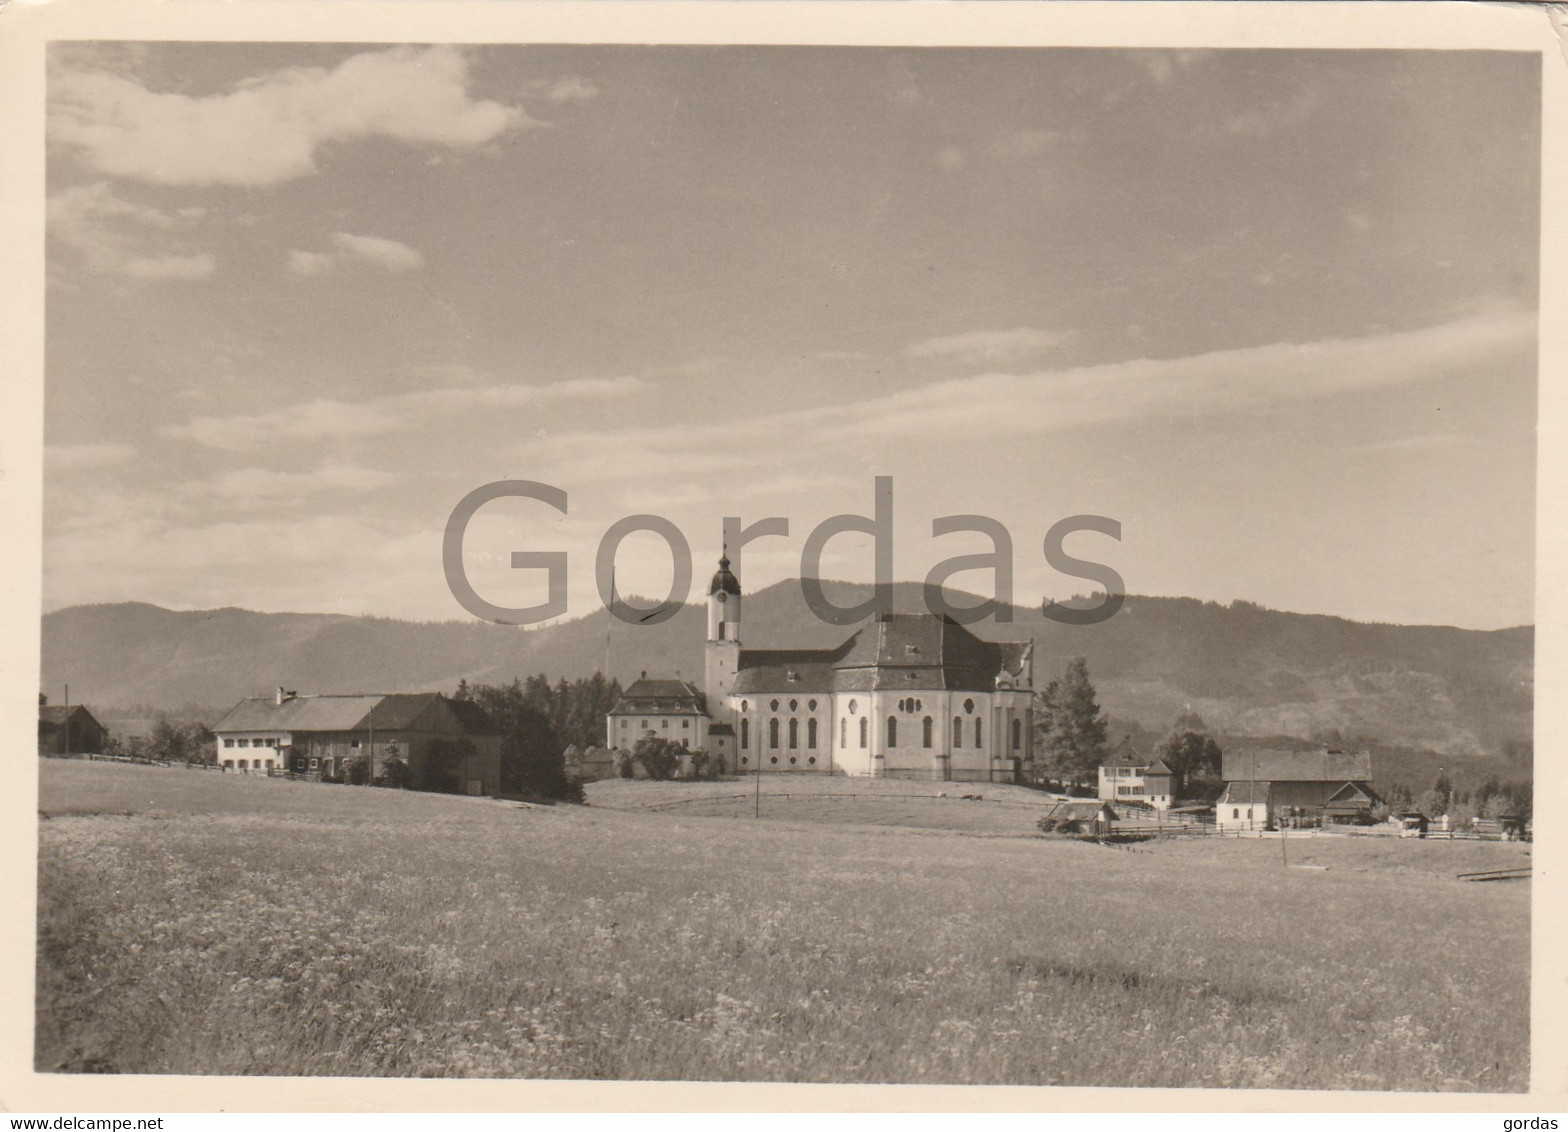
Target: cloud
{"type": "Point", "coordinates": [74, 457]}
{"type": "Point", "coordinates": [268, 129]}
{"type": "Point", "coordinates": [571, 89]}
{"type": "Point", "coordinates": [386, 253]}
{"type": "Point", "coordinates": [112, 234]}
{"type": "Point", "coordinates": [1253, 378]}
{"type": "Point", "coordinates": [989, 347]}
{"type": "Point", "coordinates": [325, 418]}
{"type": "Point", "coordinates": [952, 158]}
{"type": "Point", "coordinates": [252, 486]}
{"type": "Point", "coordinates": [1163, 66]}
{"type": "Point", "coordinates": [309, 263]}
{"type": "Point", "coordinates": [1022, 144]}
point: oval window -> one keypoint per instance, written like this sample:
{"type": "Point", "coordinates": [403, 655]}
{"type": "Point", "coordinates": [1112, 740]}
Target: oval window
{"type": "Point", "coordinates": [794, 705]}
{"type": "Point", "coordinates": [969, 706]}
{"type": "Point", "coordinates": [774, 705]}
{"type": "Point", "coordinates": [811, 705]}
{"type": "Point", "coordinates": [853, 707]}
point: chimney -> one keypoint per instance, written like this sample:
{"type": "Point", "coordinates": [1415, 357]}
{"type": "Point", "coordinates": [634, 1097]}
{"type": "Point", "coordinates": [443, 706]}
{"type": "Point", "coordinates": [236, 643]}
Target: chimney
{"type": "Point", "coordinates": [645, 674]}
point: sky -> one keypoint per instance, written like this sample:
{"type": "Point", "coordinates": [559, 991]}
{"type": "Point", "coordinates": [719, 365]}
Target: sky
{"type": "Point", "coordinates": [1273, 312]}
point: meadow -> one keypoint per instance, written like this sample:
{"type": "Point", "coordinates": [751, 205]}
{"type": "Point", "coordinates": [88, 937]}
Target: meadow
{"type": "Point", "coordinates": [199, 923]}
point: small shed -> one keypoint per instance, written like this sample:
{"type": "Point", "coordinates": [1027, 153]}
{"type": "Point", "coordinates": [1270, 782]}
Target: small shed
{"type": "Point", "coordinates": [1079, 817]}
{"type": "Point", "coordinates": [1413, 823]}
{"type": "Point", "coordinates": [69, 730]}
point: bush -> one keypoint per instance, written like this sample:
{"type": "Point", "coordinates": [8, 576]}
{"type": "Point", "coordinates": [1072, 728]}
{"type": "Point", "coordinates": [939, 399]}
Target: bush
{"type": "Point", "coordinates": [659, 757]}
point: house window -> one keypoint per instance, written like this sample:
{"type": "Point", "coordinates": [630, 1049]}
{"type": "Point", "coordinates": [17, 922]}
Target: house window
{"type": "Point", "coordinates": [244, 764]}
{"type": "Point", "coordinates": [773, 734]}
{"type": "Point", "coordinates": [958, 731]}
{"type": "Point", "coordinates": [665, 724]}
{"type": "Point", "coordinates": [745, 734]}
{"type": "Point", "coordinates": [865, 728]}
{"type": "Point", "coordinates": [794, 733]}
{"type": "Point", "coordinates": [1018, 734]}
{"type": "Point", "coordinates": [686, 742]}
{"type": "Point", "coordinates": [925, 731]}
{"type": "Point", "coordinates": [623, 724]}
{"type": "Point", "coordinates": [685, 724]}
{"type": "Point", "coordinates": [892, 731]}
{"type": "Point", "coordinates": [979, 734]}
{"type": "Point", "coordinates": [228, 742]}
{"type": "Point", "coordinates": [353, 744]}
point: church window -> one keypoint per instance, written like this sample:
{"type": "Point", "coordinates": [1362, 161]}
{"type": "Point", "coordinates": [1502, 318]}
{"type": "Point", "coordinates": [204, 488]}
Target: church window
{"type": "Point", "coordinates": [865, 727]}
{"type": "Point", "coordinates": [745, 760]}
{"type": "Point", "coordinates": [792, 760]}
{"type": "Point", "coordinates": [853, 707]}
{"type": "Point", "coordinates": [794, 733]}
{"type": "Point", "coordinates": [811, 705]}
{"type": "Point", "coordinates": [774, 705]}
{"type": "Point", "coordinates": [773, 758]}
{"type": "Point", "coordinates": [745, 734]}
{"type": "Point", "coordinates": [843, 732]}
{"type": "Point", "coordinates": [773, 734]}
{"type": "Point", "coordinates": [892, 731]}
{"type": "Point", "coordinates": [958, 731]}
{"type": "Point", "coordinates": [811, 760]}
{"type": "Point", "coordinates": [794, 705]}
{"type": "Point", "coordinates": [925, 731]}
{"type": "Point", "coordinates": [811, 733]}
{"type": "Point", "coordinates": [1018, 734]}
{"type": "Point", "coordinates": [745, 705]}
{"type": "Point", "coordinates": [969, 707]}
{"type": "Point", "coordinates": [979, 735]}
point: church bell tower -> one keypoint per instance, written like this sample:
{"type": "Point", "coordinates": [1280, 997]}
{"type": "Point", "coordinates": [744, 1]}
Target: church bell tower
{"type": "Point", "coordinates": [722, 652]}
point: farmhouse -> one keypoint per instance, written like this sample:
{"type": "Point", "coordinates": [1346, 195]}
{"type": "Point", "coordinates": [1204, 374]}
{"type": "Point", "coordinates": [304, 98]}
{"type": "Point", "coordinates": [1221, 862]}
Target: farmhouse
{"type": "Point", "coordinates": [1264, 789]}
{"type": "Point", "coordinates": [914, 696]}
{"type": "Point", "coordinates": [1127, 776]}
{"type": "Point", "coordinates": [447, 744]}
{"type": "Point", "coordinates": [68, 730]}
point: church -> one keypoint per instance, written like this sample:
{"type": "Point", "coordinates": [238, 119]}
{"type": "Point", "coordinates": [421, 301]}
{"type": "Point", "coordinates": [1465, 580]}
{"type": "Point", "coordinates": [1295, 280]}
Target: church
{"type": "Point", "coordinates": [904, 696]}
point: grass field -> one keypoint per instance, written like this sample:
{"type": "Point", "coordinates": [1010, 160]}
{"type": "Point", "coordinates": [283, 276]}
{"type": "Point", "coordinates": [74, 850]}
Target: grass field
{"type": "Point", "coordinates": [200, 923]}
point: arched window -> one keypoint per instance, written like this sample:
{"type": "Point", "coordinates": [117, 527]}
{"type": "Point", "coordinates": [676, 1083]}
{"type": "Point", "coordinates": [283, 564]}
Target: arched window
{"type": "Point", "coordinates": [843, 733]}
{"type": "Point", "coordinates": [958, 731]}
{"type": "Point", "coordinates": [794, 733]}
{"type": "Point", "coordinates": [979, 735]}
{"type": "Point", "coordinates": [925, 731]}
{"type": "Point", "coordinates": [811, 733]}
{"type": "Point", "coordinates": [865, 727]}
{"type": "Point", "coordinates": [745, 734]}
{"type": "Point", "coordinates": [773, 734]}
{"type": "Point", "coordinates": [1018, 734]}
{"type": "Point", "coordinates": [892, 731]}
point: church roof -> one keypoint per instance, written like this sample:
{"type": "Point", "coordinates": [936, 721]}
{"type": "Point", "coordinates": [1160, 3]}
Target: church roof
{"type": "Point", "coordinates": [911, 652]}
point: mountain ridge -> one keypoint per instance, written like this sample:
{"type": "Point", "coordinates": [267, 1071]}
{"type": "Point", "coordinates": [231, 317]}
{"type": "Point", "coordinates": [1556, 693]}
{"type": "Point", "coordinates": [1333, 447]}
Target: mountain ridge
{"type": "Point", "coordinates": [1244, 668]}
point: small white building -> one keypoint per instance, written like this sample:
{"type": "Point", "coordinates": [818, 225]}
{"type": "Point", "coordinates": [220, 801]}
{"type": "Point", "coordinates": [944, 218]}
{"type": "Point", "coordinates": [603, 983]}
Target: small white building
{"type": "Point", "coordinates": [1127, 776]}
{"type": "Point", "coordinates": [1243, 805]}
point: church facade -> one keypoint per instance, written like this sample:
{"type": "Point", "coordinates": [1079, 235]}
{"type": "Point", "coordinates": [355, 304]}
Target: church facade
{"type": "Point", "coordinates": [905, 695]}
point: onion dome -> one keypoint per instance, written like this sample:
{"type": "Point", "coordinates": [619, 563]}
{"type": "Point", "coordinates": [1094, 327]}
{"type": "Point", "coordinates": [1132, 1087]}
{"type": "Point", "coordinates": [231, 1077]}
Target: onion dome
{"type": "Point", "coordinates": [724, 581]}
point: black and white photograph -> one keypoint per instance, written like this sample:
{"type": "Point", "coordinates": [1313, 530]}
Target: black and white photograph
{"type": "Point", "coordinates": [847, 561]}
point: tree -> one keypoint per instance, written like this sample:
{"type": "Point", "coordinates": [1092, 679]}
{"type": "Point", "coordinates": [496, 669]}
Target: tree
{"type": "Point", "coordinates": [1192, 754]}
{"type": "Point", "coordinates": [659, 757]}
{"type": "Point", "coordinates": [1071, 725]}
{"type": "Point", "coordinates": [532, 755]}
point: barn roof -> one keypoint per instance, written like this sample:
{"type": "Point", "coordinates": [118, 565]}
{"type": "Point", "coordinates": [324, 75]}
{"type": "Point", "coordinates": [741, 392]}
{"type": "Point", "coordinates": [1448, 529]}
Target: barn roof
{"type": "Point", "coordinates": [1086, 810]}
{"type": "Point", "coordinates": [297, 713]}
{"type": "Point", "coordinates": [1245, 792]}
{"type": "Point", "coordinates": [1321, 765]}
{"type": "Point", "coordinates": [56, 713]}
